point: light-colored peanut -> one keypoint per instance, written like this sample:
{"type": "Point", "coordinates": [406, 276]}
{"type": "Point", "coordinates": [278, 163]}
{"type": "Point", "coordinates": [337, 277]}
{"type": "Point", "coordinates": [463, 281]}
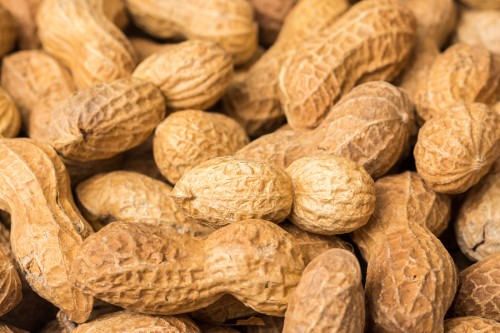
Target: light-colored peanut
{"type": "Point", "coordinates": [370, 126]}
{"type": "Point", "coordinates": [192, 75]}
{"type": "Point", "coordinates": [329, 296]}
{"type": "Point", "coordinates": [332, 195]}
{"type": "Point", "coordinates": [78, 33]}
{"type": "Point", "coordinates": [227, 22]}
{"type": "Point", "coordinates": [254, 260]}
{"type": "Point", "coordinates": [188, 138]}
{"type": "Point", "coordinates": [407, 264]}
{"type": "Point", "coordinates": [10, 118]}
{"type": "Point", "coordinates": [479, 27]}
{"type": "Point", "coordinates": [10, 285]}
{"type": "Point", "coordinates": [47, 229]}
{"type": "Point", "coordinates": [372, 41]}
{"type": "Point", "coordinates": [454, 152]}
{"type": "Point", "coordinates": [224, 190]}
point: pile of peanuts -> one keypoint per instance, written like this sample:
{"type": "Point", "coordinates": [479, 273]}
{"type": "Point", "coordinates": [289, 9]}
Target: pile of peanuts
{"type": "Point", "coordinates": [253, 166]}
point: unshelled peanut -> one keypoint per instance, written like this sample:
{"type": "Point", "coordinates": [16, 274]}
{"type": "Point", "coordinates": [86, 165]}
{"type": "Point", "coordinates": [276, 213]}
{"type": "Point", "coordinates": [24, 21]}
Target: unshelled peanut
{"type": "Point", "coordinates": [479, 27]}
{"type": "Point", "coordinates": [10, 285]}
{"type": "Point", "coordinates": [187, 138]}
{"type": "Point", "coordinates": [10, 118]}
{"type": "Point", "coordinates": [471, 325]}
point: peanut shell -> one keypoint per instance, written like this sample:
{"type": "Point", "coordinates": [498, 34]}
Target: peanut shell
{"type": "Point", "coordinates": [454, 152]}
{"type": "Point", "coordinates": [192, 75]}
{"type": "Point", "coordinates": [10, 118]}
{"type": "Point", "coordinates": [479, 27]}
{"type": "Point", "coordinates": [24, 13]}
{"type": "Point", "coordinates": [8, 31]}
{"type": "Point", "coordinates": [482, 4]}
{"type": "Point", "coordinates": [224, 190]}
{"type": "Point", "coordinates": [187, 138]}
{"type": "Point", "coordinates": [10, 285]}
{"type": "Point", "coordinates": [471, 325]}
{"type": "Point", "coordinates": [332, 195]}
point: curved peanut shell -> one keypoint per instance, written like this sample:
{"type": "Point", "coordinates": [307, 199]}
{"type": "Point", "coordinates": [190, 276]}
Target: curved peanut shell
{"type": "Point", "coordinates": [106, 119]}
{"type": "Point", "coordinates": [479, 27]}
{"type": "Point", "coordinates": [187, 138]}
{"type": "Point", "coordinates": [329, 296]}
{"type": "Point", "coordinates": [482, 4]}
{"type": "Point", "coordinates": [462, 74]}
{"type": "Point", "coordinates": [10, 285]}
{"type": "Point", "coordinates": [192, 75]}
{"type": "Point", "coordinates": [255, 261]}
{"type": "Point", "coordinates": [224, 190]}
{"type": "Point", "coordinates": [332, 195]}
{"type": "Point", "coordinates": [372, 41]}
{"type": "Point", "coordinates": [129, 322]}
{"type": "Point", "coordinates": [47, 229]}
{"type": "Point", "coordinates": [8, 31]}
{"type": "Point", "coordinates": [371, 126]}
{"type": "Point", "coordinates": [407, 264]}
{"type": "Point", "coordinates": [454, 152]}
{"type": "Point", "coordinates": [478, 293]}
{"type": "Point", "coordinates": [252, 99]}
{"type": "Point", "coordinates": [36, 81]}
{"type": "Point", "coordinates": [130, 196]}
{"type": "Point", "coordinates": [78, 33]}
{"type": "Point", "coordinates": [471, 325]}
{"type": "Point", "coordinates": [10, 118]}
{"type": "Point", "coordinates": [478, 223]}
{"type": "Point", "coordinates": [226, 22]}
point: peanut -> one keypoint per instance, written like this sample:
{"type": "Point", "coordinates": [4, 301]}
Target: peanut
{"type": "Point", "coordinates": [129, 196]}
{"type": "Point", "coordinates": [478, 222]}
{"type": "Point", "coordinates": [333, 281]}
{"type": "Point", "coordinates": [252, 98]}
{"type": "Point", "coordinates": [270, 15]}
{"type": "Point", "coordinates": [106, 119]}
{"type": "Point", "coordinates": [224, 190]}
{"type": "Point", "coordinates": [191, 75]}
{"type": "Point", "coordinates": [454, 152]}
{"type": "Point", "coordinates": [372, 41]}
{"type": "Point", "coordinates": [371, 126]}
{"type": "Point", "coordinates": [479, 27]}
{"type": "Point", "coordinates": [482, 4]}
{"type": "Point", "coordinates": [8, 31]}
{"type": "Point", "coordinates": [188, 138]}
{"type": "Point", "coordinates": [10, 285]}
{"type": "Point", "coordinates": [78, 34]}
{"type": "Point", "coordinates": [332, 195]}
{"type": "Point", "coordinates": [24, 12]}
{"type": "Point", "coordinates": [462, 74]}
{"type": "Point", "coordinates": [471, 325]}
{"type": "Point", "coordinates": [227, 22]}
{"type": "Point", "coordinates": [254, 260]}
{"type": "Point", "coordinates": [10, 118]}
{"type": "Point", "coordinates": [129, 322]}
{"type": "Point", "coordinates": [399, 239]}
{"type": "Point", "coordinates": [46, 226]}
{"type": "Point", "coordinates": [478, 293]}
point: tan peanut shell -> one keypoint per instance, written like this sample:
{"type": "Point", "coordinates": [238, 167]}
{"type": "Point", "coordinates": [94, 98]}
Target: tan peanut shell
{"type": "Point", "coordinates": [332, 195]}
{"type": "Point", "coordinates": [462, 74]}
{"type": "Point", "coordinates": [252, 98]}
{"type": "Point", "coordinates": [192, 75]}
{"type": "Point", "coordinates": [254, 260]}
{"type": "Point", "coordinates": [226, 22]}
{"type": "Point", "coordinates": [224, 190]}
{"type": "Point", "coordinates": [8, 31]}
{"type": "Point", "coordinates": [129, 322]}
{"type": "Point", "coordinates": [454, 152]}
{"type": "Point", "coordinates": [436, 20]}
{"type": "Point", "coordinates": [482, 4]}
{"type": "Point", "coordinates": [10, 285]}
{"type": "Point", "coordinates": [479, 27]}
{"type": "Point", "coordinates": [478, 293]}
{"type": "Point", "coordinates": [471, 325]}
{"type": "Point", "coordinates": [47, 229]}
{"type": "Point", "coordinates": [187, 138]}
{"type": "Point", "coordinates": [24, 13]}
{"type": "Point", "coordinates": [372, 41]}
{"type": "Point", "coordinates": [270, 15]}
{"type": "Point", "coordinates": [106, 119]}
{"type": "Point", "coordinates": [78, 33]}
{"type": "Point", "coordinates": [36, 81]}
{"type": "Point", "coordinates": [329, 296]}
{"type": "Point", "coordinates": [478, 223]}
{"type": "Point", "coordinates": [130, 196]}
{"type": "Point", "coordinates": [10, 118]}
{"type": "Point", "coordinates": [371, 126]}
{"type": "Point", "coordinates": [411, 278]}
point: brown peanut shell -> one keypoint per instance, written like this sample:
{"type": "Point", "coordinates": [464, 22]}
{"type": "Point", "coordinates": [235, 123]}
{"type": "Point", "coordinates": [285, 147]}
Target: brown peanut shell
{"type": "Point", "coordinates": [471, 325]}
{"type": "Point", "coordinates": [10, 285]}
